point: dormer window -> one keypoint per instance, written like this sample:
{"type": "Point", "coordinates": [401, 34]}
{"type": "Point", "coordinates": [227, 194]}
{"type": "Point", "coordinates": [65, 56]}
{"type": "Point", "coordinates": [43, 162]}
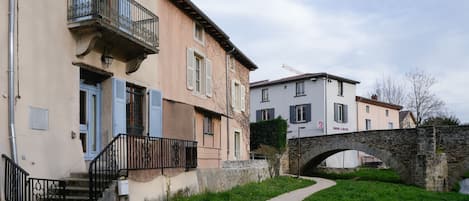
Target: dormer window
{"type": "Point", "coordinates": [199, 33]}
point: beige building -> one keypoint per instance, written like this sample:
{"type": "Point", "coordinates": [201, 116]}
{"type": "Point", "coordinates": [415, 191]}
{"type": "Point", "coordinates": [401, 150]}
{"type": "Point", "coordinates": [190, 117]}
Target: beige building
{"type": "Point", "coordinates": [376, 115]}
{"type": "Point", "coordinates": [407, 119]}
{"type": "Point", "coordinates": [86, 71]}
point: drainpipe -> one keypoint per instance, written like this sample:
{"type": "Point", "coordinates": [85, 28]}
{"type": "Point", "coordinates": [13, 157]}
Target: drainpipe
{"type": "Point", "coordinates": [325, 103]}
{"type": "Point", "coordinates": [228, 54]}
{"type": "Point", "coordinates": [11, 79]}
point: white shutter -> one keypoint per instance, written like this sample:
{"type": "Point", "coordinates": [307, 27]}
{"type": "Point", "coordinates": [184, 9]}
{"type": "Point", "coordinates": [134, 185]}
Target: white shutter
{"type": "Point", "coordinates": [233, 94]}
{"type": "Point", "coordinates": [208, 78]}
{"type": "Point", "coordinates": [119, 123]}
{"type": "Point", "coordinates": [190, 76]}
{"type": "Point", "coordinates": [243, 98]}
{"type": "Point", "coordinates": [155, 116]}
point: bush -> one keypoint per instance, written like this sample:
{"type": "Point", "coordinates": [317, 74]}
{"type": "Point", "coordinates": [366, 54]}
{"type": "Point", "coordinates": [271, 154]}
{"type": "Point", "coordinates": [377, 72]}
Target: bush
{"type": "Point", "coordinates": [272, 133]}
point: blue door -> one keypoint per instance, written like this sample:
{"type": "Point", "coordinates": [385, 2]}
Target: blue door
{"type": "Point", "coordinates": [90, 119]}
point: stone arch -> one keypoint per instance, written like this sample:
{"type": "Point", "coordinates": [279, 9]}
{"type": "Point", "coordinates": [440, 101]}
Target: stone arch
{"type": "Point", "coordinates": [311, 158]}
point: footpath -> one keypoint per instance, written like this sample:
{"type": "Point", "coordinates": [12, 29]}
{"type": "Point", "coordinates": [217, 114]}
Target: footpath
{"type": "Point", "coordinates": [301, 194]}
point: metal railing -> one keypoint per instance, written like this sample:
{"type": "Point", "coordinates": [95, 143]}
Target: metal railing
{"type": "Point", "coordinates": [18, 187]}
{"type": "Point", "coordinates": [131, 152]}
{"type": "Point", "coordinates": [126, 16]}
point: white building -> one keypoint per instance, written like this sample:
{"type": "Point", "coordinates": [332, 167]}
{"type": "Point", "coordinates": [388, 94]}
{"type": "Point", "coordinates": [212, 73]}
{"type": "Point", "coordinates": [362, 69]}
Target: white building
{"type": "Point", "coordinates": [314, 104]}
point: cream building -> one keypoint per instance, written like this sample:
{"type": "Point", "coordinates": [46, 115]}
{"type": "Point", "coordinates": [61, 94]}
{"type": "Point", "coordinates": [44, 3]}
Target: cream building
{"type": "Point", "coordinates": [86, 71]}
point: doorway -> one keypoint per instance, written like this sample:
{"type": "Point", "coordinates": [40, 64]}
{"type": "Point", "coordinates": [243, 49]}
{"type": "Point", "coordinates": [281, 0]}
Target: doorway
{"type": "Point", "coordinates": [90, 117]}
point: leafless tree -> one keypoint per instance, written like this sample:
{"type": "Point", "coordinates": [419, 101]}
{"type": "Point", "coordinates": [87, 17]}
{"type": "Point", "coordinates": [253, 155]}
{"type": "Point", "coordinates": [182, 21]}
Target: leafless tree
{"type": "Point", "coordinates": [389, 90]}
{"type": "Point", "coordinates": [421, 100]}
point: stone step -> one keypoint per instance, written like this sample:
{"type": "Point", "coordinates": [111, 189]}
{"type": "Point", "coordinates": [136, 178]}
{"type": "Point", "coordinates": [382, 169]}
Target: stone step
{"type": "Point", "coordinates": [77, 191]}
{"type": "Point", "coordinates": [71, 198]}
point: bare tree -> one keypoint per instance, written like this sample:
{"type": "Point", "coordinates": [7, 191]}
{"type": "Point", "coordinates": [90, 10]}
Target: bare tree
{"type": "Point", "coordinates": [389, 90]}
{"type": "Point", "coordinates": [422, 101]}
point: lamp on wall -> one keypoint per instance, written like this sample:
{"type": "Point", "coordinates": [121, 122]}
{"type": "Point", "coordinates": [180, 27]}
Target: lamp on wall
{"type": "Point", "coordinates": [106, 58]}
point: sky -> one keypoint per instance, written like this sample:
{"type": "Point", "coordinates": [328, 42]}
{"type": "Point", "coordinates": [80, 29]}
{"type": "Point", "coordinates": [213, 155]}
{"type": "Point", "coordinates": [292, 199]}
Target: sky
{"type": "Point", "coordinates": [364, 40]}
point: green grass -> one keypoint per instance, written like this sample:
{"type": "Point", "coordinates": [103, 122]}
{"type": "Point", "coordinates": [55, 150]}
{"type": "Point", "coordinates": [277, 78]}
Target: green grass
{"type": "Point", "coordinates": [253, 191]}
{"type": "Point", "coordinates": [365, 174]}
{"type": "Point", "coordinates": [349, 190]}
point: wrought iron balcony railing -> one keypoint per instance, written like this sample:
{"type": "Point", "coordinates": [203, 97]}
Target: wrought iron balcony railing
{"type": "Point", "coordinates": [124, 16]}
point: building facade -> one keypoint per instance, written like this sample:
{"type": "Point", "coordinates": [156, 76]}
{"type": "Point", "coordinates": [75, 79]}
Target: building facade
{"type": "Point", "coordinates": [313, 104]}
{"type": "Point", "coordinates": [88, 70]}
{"type": "Point", "coordinates": [407, 119]}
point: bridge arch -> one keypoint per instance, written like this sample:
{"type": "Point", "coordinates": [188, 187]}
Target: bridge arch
{"type": "Point", "coordinates": [311, 158]}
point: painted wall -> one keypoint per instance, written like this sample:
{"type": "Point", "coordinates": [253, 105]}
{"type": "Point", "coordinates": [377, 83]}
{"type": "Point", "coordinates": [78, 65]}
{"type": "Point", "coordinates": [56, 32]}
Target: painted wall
{"type": "Point", "coordinates": [377, 115]}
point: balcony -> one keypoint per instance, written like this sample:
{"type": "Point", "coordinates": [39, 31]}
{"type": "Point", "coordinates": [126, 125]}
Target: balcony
{"type": "Point", "coordinates": [123, 28]}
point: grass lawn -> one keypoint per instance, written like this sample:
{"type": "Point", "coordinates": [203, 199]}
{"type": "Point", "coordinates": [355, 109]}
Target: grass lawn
{"type": "Point", "coordinates": [253, 191]}
{"type": "Point", "coordinates": [365, 174]}
{"type": "Point", "coordinates": [350, 190]}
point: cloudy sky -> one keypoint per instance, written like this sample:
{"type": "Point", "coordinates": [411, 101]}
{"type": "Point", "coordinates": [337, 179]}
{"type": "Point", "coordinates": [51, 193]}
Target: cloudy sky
{"type": "Point", "coordinates": [360, 39]}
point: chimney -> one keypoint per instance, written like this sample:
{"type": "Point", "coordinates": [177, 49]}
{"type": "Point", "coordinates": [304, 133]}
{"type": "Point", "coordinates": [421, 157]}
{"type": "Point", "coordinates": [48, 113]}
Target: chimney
{"type": "Point", "coordinates": [374, 97]}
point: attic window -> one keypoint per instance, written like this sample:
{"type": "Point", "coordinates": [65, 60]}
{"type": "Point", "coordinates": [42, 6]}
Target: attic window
{"type": "Point", "coordinates": [199, 33]}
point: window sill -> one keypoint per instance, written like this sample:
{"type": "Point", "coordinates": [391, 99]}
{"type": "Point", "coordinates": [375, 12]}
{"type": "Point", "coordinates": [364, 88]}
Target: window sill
{"type": "Point", "coordinates": [265, 101]}
{"type": "Point", "coordinates": [211, 134]}
{"type": "Point", "coordinates": [299, 95]}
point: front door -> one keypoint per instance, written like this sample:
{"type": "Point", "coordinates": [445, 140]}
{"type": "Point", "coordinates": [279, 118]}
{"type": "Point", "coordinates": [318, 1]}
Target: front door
{"type": "Point", "coordinates": [90, 113]}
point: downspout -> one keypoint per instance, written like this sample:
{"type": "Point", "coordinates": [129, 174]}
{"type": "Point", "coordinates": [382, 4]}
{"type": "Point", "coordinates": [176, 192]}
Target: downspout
{"type": "Point", "coordinates": [228, 54]}
{"type": "Point", "coordinates": [325, 104]}
{"type": "Point", "coordinates": [11, 79]}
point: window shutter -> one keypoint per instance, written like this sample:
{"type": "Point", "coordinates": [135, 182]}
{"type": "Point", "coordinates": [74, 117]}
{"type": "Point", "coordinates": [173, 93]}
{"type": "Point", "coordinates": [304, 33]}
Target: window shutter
{"type": "Point", "coordinates": [345, 108]}
{"type": "Point", "coordinates": [155, 116]}
{"type": "Point", "coordinates": [119, 121]}
{"type": "Point", "coordinates": [292, 114]}
{"type": "Point", "coordinates": [308, 112]}
{"type": "Point", "coordinates": [258, 115]}
{"type": "Point", "coordinates": [243, 98]}
{"type": "Point", "coordinates": [208, 78]}
{"type": "Point", "coordinates": [233, 94]}
{"type": "Point", "coordinates": [190, 69]}
{"type": "Point", "coordinates": [271, 113]}
{"type": "Point", "coordinates": [336, 112]}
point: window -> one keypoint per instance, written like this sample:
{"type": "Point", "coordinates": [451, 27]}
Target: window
{"type": "Point", "coordinates": [265, 95]}
{"type": "Point", "coordinates": [238, 96]}
{"type": "Point", "coordinates": [387, 113]}
{"type": "Point", "coordinates": [340, 113]}
{"type": "Point", "coordinates": [198, 73]}
{"type": "Point", "coordinates": [300, 88]}
{"type": "Point", "coordinates": [237, 145]}
{"type": "Point", "coordinates": [368, 124]}
{"type": "Point", "coordinates": [390, 125]}
{"type": "Point", "coordinates": [267, 114]}
{"type": "Point", "coordinates": [208, 125]}
{"type": "Point", "coordinates": [134, 106]}
{"type": "Point", "coordinates": [300, 113]}
{"type": "Point", "coordinates": [341, 88]}
{"type": "Point", "coordinates": [367, 109]}
{"type": "Point", "coordinates": [199, 33]}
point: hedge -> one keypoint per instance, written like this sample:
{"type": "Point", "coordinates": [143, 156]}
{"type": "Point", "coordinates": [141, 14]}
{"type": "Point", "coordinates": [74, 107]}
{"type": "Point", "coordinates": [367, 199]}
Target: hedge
{"type": "Point", "coordinates": [272, 133]}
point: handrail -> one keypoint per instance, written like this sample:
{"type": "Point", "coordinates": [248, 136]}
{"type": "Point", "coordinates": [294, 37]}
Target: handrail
{"type": "Point", "coordinates": [136, 152]}
{"type": "Point", "coordinates": [18, 187]}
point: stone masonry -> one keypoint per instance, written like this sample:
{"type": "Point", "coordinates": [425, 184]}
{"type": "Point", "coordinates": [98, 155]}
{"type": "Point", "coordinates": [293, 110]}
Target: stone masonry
{"type": "Point", "coordinates": [429, 157]}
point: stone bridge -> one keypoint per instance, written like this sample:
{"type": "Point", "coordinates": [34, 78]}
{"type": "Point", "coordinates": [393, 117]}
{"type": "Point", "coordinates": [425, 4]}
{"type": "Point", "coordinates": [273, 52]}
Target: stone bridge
{"type": "Point", "coordinates": [434, 158]}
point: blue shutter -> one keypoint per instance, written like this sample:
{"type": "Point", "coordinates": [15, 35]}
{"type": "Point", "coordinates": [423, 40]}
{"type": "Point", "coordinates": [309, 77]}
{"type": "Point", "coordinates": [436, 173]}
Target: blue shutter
{"type": "Point", "coordinates": [345, 108]}
{"type": "Point", "coordinates": [119, 123]}
{"type": "Point", "coordinates": [292, 114]}
{"type": "Point", "coordinates": [308, 112]}
{"type": "Point", "coordinates": [155, 117]}
{"type": "Point", "coordinates": [336, 112]}
{"type": "Point", "coordinates": [258, 115]}
{"type": "Point", "coordinates": [271, 113]}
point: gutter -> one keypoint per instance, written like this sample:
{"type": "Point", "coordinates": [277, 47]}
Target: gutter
{"type": "Point", "coordinates": [11, 80]}
{"type": "Point", "coordinates": [228, 54]}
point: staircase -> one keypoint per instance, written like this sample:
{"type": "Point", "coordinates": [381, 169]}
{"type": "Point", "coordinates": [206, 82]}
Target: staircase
{"type": "Point", "coordinates": [77, 187]}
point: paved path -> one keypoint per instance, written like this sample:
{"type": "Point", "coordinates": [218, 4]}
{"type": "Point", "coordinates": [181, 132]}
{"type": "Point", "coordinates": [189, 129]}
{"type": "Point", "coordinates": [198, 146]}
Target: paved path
{"type": "Point", "coordinates": [300, 194]}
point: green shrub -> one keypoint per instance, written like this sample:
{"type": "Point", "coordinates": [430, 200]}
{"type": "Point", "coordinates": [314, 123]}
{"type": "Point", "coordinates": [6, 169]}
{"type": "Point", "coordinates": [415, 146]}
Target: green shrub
{"type": "Point", "coordinates": [272, 133]}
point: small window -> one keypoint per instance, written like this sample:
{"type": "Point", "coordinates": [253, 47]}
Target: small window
{"type": "Point", "coordinates": [300, 88]}
{"type": "Point", "coordinates": [265, 95]}
{"type": "Point", "coordinates": [267, 114]}
{"type": "Point", "coordinates": [368, 124]}
{"type": "Point", "coordinates": [340, 113]}
{"type": "Point", "coordinates": [134, 106]}
{"type": "Point", "coordinates": [208, 125]}
{"type": "Point", "coordinates": [341, 88]}
{"type": "Point", "coordinates": [237, 145]}
{"type": "Point", "coordinates": [390, 125]}
{"type": "Point", "coordinates": [199, 33]}
{"type": "Point", "coordinates": [300, 113]}
{"type": "Point", "coordinates": [387, 113]}
{"type": "Point", "coordinates": [367, 109]}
